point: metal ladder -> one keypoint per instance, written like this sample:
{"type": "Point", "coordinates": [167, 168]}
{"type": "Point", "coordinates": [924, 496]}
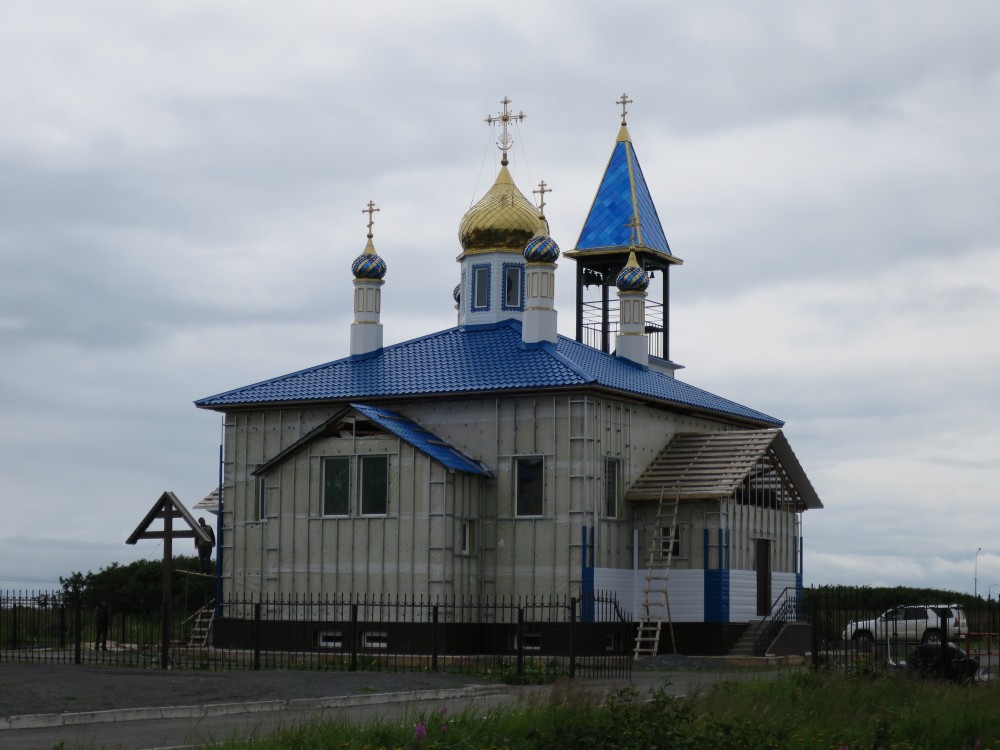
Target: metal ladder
{"type": "Point", "coordinates": [654, 594]}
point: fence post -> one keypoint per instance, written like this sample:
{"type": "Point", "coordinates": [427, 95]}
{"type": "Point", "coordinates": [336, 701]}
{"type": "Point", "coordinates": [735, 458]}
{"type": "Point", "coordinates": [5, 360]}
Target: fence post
{"type": "Point", "coordinates": [77, 634]}
{"type": "Point", "coordinates": [62, 626]}
{"type": "Point", "coordinates": [520, 641]}
{"type": "Point", "coordinates": [434, 640]}
{"type": "Point", "coordinates": [572, 637]}
{"type": "Point", "coordinates": [814, 616]}
{"type": "Point", "coordinates": [352, 636]}
{"type": "Point", "coordinates": [256, 637]}
{"type": "Point", "coordinates": [13, 635]}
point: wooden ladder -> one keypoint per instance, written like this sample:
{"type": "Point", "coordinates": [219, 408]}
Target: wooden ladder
{"type": "Point", "coordinates": [654, 594]}
{"type": "Point", "coordinates": [201, 626]}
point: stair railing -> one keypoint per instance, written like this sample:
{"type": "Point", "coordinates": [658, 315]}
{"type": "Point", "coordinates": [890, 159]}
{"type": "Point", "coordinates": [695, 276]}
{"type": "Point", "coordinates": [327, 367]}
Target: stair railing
{"type": "Point", "coordinates": [784, 610]}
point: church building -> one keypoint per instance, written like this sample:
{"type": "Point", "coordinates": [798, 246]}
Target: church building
{"type": "Point", "coordinates": [497, 458]}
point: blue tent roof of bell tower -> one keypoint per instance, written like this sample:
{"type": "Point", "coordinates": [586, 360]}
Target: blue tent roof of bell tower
{"type": "Point", "coordinates": [622, 195]}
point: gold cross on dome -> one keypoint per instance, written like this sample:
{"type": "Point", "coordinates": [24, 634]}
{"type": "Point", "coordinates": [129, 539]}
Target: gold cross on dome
{"type": "Point", "coordinates": [506, 140]}
{"type": "Point", "coordinates": [370, 210]}
{"type": "Point", "coordinates": [542, 190]}
{"type": "Point", "coordinates": [623, 101]}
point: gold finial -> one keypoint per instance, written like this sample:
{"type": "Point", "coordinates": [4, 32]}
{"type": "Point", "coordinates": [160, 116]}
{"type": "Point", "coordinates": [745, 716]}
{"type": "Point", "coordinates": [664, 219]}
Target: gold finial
{"type": "Point", "coordinates": [634, 224]}
{"type": "Point", "coordinates": [542, 190]}
{"type": "Point", "coordinates": [370, 210]}
{"type": "Point", "coordinates": [623, 101]}
{"type": "Point", "coordinates": [506, 140]}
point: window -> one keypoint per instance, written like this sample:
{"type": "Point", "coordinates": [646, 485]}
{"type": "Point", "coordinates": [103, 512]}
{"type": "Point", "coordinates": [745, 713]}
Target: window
{"type": "Point", "coordinates": [511, 287]}
{"type": "Point", "coordinates": [480, 288]}
{"type": "Point", "coordinates": [466, 538]}
{"type": "Point", "coordinates": [528, 484]}
{"type": "Point", "coordinates": [260, 498]}
{"type": "Point", "coordinates": [670, 541]}
{"type": "Point", "coordinates": [337, 486]}
{"type": "Point", "coordinates": [375, 640]}
{"type": "Point", "coordinates": [330, 639]}
{"type": "Point", "coordinates": [612, 487]}
{"type": "Point", "coordinates": [374, 485]}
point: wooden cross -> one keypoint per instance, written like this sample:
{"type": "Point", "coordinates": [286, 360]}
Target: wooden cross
{"type": "Point", "coordinates": [542, 190]}
{"type": "Point", "coordinates": [623, 101]}
{"type": "Point", "coordinates": [506, 140]}
{"type": "Point", "coordinates": [370, 210]}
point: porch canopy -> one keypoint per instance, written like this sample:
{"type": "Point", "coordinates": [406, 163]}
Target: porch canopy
{"type": "Point", "coordinates": [717, 465]}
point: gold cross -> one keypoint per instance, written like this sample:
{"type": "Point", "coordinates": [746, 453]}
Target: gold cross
{"type": "Point", "coordinates": [506, 140]}
{"type": "Point", "coordinates": [635, 225]}
{"type": "Point", "coordinates": [542, 190]}
{"type": "Point", "coordinates": [623, 101]}
{"type": "Point", "coordinates": [370, 210]}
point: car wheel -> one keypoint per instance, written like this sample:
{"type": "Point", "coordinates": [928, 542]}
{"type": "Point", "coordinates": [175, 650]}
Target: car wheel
{"type": "Point", "coordinates": [932, 637]}
{"type": "Point", "coordinates": [863, 640]}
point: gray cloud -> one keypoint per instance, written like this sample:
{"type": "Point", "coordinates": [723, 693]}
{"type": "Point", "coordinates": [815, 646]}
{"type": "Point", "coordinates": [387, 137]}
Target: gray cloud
{"type": "Point", "coordinates": [180, 199]}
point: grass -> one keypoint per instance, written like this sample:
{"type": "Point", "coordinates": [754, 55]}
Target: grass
{"type": "Point", "coordinates": [800, 710]}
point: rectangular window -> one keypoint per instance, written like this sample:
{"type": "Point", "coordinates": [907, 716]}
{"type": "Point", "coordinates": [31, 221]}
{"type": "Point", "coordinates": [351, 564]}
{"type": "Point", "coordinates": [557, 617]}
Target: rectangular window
{"type": "Point", "coordinates": [330, 639]}
{"type": "Point", "coordinates": [465, 541]}
{"type": "Point", "coordinates": [260, 499]}
{"type": "Point", "coordinates": [670, 541]}
{"type": "Point", "coordinates": [612, 487]}
{"type": "Point", "coordinates": [374, 485]}
{"type": "Point", "coordinates": [337, 486]}
{"type": "Point", "coordinates": [481, 287]}
{"type": "Point", "coordinates": [512, 288]}
{"type": "Point", "coordinates": [375, 640]}
{"type": "Point", "coordinates": [529, 481]}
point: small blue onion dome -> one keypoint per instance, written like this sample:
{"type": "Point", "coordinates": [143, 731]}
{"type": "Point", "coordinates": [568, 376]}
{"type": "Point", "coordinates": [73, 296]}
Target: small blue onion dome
{"type": "Point", "coordinates": [369, 265]}
{"type": "Point", "coordinates": [456, 294]}
{"type": "Point", "coordinates": [632, 278]}
{"type": "Point", "coordinates": [541, 249]}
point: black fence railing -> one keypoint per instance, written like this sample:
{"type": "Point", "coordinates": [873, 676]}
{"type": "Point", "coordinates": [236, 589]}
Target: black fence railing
{"type": "Point", "coordinates": [519, 638]}
{"type": "Point", "coordinates": [862, 629]}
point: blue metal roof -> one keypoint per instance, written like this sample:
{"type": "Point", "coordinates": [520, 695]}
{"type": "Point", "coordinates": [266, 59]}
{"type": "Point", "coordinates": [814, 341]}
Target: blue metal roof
{"type": "Point", "coordinates": [424, 441]}
{"type": "Point", "coordinates": [622, 195]}
{"type": "Point", "coordinates": [469, 360]}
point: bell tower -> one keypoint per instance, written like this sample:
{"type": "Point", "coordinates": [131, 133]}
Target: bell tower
{"type": "Point", "coordinates": [622, 220]}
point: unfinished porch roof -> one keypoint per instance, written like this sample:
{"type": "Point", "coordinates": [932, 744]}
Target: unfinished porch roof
{"type": "Point", "coordinates": [703, 466]}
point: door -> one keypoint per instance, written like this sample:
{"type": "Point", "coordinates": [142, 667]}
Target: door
{"type": "Point", "coordinates": [763, 577]}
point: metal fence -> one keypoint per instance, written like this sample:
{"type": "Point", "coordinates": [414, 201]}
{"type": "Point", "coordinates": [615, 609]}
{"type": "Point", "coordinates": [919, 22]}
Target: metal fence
{"type": "Point", "coordinates": [860, 629]}
{"type": "Point", "coordinates": [518, 638]}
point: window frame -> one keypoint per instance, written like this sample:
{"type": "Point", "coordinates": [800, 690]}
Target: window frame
{"type": "Point", "coordinates": [363, 499]}
{"type": "Point", "coordinates": [481, 280]}
{"type": "Point", "coordinates": [507, 286]}
{"type": "Point", "coordinates": [530, 460]}
{"type": "Point", "coordinates": [324, 509]}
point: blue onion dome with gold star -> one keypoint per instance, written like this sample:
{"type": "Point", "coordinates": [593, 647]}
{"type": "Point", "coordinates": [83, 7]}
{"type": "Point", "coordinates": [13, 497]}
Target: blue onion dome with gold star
{"type": "Point", "coordinates": [541, 249]}
{"type": "Point", "coordinates": [632, 278]}
{"type": "Point", "coordinates": [502, 221]}
{"type": "Point", "coordinates": [456, 294]}
{"type": "Point", "coordinates": [369, 265]}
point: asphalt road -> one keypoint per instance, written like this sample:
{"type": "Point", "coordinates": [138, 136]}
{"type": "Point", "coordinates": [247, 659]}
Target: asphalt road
{"type": "Point", "coordinates": [130, 709]}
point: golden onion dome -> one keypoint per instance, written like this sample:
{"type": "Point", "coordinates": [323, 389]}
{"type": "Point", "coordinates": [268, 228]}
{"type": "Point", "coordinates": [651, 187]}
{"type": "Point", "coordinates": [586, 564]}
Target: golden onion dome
{"type": "Point", "coordinates": [502, 221]}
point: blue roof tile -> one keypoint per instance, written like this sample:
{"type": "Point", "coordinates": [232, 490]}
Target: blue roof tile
{"type": "Point", "coordinates": [622, 194]}
{"type": "Point", "coordinates": [470, 360]}
{"type": "Point", "coordinates": [421, 439]}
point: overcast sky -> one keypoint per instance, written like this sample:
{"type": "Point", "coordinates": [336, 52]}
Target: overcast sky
{"type": "Point", "coordinates": [181, 186]}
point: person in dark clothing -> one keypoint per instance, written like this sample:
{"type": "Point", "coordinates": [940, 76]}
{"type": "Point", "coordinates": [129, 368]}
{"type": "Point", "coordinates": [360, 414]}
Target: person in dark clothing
{"type": "Point", "coordinates": [101, 626]}
{"type": "Point", "coordinates": [205, 548]}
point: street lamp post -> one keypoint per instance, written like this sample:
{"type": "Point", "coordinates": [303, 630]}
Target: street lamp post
{"type": "Point", "coordinates": [975, 575]}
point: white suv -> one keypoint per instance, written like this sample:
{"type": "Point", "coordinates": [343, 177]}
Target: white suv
{"type": "Point", "coordinates": [911, 623]}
